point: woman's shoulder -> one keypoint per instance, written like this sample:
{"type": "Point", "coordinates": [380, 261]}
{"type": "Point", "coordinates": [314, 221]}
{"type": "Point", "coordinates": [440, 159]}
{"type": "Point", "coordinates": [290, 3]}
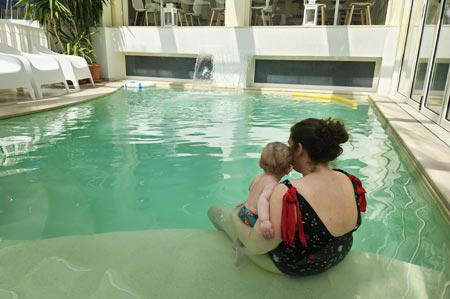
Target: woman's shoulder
{"type": "Point", "coordinates": [284, 185]}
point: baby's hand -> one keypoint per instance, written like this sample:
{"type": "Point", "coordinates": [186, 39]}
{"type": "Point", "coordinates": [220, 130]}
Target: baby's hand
{"type": "Point", "coordinates": [267, 229]}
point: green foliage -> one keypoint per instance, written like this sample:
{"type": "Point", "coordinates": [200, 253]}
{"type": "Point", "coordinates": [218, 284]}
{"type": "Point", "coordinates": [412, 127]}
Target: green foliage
{"type": "Point", "coordinates": [70, 23]}
{"type": "Point", "coordinates": [79, 46]}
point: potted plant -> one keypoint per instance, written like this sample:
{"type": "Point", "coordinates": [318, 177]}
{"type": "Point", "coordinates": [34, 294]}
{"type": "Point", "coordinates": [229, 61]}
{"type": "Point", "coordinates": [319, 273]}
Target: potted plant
{"type": "Point", "coordinates": [80, 45]}
{"type": "Point", "coordinates": [70, 25]}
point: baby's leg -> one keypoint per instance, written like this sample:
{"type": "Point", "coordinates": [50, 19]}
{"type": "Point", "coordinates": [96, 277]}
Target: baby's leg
{"type": "Point", "coordinates": [237, 243]}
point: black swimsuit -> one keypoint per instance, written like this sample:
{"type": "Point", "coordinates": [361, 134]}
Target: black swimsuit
{"type": "Point", "coordinates": [322, 250]}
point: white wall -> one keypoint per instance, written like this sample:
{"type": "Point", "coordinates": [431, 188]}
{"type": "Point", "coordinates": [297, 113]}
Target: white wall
{"type": "Point", "coordinates": [342, 43]}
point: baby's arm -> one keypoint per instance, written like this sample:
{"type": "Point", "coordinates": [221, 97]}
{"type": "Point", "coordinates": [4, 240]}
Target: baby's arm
{"type": "Point", "coordinates": [263, 212]}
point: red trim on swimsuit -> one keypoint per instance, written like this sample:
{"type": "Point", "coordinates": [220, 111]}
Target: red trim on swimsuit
{"type": "Point", "coordinates": [291, 217]}
{"type": "Point", "coordinates": [361, 192]}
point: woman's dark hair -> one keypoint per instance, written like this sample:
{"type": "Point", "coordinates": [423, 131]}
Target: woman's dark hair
{"type": "Point", "coordinates": [321, 138]}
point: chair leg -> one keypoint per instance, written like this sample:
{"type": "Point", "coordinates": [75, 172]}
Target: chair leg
{"type": "Point", "coordinates": [263, 17]}
{"type": "Point", "coordinates": [322, 12]}
{"type": "Point", "coordinates": [146, 18]}
{"type": "Point", "coordinates": [135, 18]}
{"type": "Point", "coordinates": [369, 17]}
{"type": "Point", "coordinates": [76, 85]}
{"type": "Point", "coordinates": [256, 19]}
{"type": "Point", "coordinates": [212, 18]}
{"type": "Point", "coordinates": [31, 92]}
{"type": "Point", "coordinates": [38, 92]}
{"type": "Point", "coordinates": [219, 16]}
{"type": "Point", "coordinates": [350, 15]}
{"type": "Point", "coordinates": [66, 86]}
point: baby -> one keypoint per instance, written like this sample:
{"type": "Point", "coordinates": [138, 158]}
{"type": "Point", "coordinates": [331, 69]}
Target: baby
{"type": "Point", "coordinates": [275, 160]}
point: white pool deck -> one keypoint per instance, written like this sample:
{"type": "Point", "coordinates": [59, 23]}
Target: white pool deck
{"type": "Point", "coordinates": [198, 263]}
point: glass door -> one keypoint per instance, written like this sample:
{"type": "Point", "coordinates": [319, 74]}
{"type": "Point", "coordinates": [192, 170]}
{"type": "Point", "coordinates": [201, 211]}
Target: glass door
{"type": "Point", "coordinates": [436, 93]}
{"type": "Point", "coordinates": [423, 66]}
{"type": "Point", "coordinates": [411, 48]}
{"type": "Point", "coordinates": [425, 74]}
{"type": "Point", "coordinates": [445, 122]}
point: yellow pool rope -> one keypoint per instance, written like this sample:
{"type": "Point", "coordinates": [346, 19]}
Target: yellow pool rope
{"type": "Point", "coordinates": [326, 97]}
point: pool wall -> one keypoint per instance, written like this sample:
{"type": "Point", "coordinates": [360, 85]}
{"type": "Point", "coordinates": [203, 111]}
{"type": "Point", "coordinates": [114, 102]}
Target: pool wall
{"type": "Point", "coordinates": [351, 44]}
{"type": "Point", "coordinates": [423, 148]}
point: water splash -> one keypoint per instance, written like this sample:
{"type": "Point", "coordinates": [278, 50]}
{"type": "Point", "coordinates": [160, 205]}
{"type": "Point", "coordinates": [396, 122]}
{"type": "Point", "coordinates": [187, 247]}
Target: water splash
{"type": "Point", "coordinates": [220, 68]}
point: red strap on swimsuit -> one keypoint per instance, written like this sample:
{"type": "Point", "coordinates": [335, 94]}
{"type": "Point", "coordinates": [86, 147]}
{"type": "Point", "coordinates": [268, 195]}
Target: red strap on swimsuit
{"type": "Point", "coordinates": [360, 191]}
{"type": "Point", "coordinates": [289, 219]}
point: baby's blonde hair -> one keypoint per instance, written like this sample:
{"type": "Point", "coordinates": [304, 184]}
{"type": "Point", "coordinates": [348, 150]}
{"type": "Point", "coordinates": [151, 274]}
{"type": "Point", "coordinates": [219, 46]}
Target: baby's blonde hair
{"type": "Point", "coordinates": [276, 158]}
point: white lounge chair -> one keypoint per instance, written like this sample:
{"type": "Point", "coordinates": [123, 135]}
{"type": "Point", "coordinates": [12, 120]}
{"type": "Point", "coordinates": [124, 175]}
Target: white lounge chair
{"type": "Point", "coordinates": [75, 68]}
{"type": "Point", "coordinates": [15, 73]}
{"type": "Point", "coordinates": [44, 68]}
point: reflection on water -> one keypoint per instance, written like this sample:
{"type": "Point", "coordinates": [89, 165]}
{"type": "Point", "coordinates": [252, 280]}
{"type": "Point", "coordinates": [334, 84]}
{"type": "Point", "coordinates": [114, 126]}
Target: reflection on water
{"type": "Point", "coordinates": [160, 158]}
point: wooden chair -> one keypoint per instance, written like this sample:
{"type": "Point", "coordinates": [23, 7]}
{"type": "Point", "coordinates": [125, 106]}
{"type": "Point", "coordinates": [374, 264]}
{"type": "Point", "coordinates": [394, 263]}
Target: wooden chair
{"type": "Point", "coordinates": [154, 8]}
{"type": "Point", "coordinates": [139, 7]}
{"type": "Point", "coordinates": [187, 10]}
{"type": "Point", "coordinates": [216, 10]}
{"type": "Point", "coordinates": [268, 12]}
{"type": "Point", "coordinates": [257, 5]}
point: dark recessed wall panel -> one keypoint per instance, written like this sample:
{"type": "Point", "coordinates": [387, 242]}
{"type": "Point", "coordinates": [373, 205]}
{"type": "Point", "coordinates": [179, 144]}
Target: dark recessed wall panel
{"type": "Point", "coordinates": [309, 72]}
{"type": "Point", "coordinates": [160, 67]}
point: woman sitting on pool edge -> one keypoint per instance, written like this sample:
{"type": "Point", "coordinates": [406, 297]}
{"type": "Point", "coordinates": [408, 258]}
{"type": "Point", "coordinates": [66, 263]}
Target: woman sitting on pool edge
{"type": "Point", "coordinates": [328, 202]}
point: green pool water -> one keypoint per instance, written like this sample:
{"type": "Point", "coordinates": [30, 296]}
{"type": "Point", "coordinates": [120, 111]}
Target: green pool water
{"type": "Point", "coordinates": [159, 158]}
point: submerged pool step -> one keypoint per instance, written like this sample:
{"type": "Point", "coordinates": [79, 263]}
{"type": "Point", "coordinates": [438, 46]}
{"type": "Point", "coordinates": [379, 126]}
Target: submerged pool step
{"type": "Point", "coordinates": [187, 263]}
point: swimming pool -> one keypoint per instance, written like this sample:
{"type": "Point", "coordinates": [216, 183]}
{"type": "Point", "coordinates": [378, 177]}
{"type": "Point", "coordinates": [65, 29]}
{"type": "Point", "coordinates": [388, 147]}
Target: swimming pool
{"type": "Point", "coordinates": [158, 159]}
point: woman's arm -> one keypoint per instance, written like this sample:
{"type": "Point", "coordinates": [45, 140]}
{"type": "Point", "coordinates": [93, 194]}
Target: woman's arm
{"type": "Point", "coordinates": [251, 237]}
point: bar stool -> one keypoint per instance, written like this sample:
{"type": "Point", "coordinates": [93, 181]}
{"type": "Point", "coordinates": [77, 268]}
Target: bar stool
{"type": "Point", "coordinates": [216, 10]}
{"type": "Point", "coordinates": [363, 8]}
